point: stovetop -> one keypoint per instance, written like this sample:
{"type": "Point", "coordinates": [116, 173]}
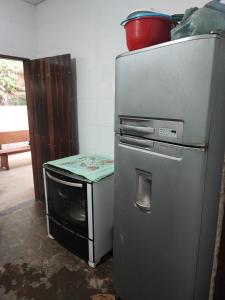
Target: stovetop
{"type": "Point", "coordinates": [89, 166]}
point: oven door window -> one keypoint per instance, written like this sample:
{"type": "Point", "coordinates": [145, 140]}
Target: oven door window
{"type": "Point", "coordinates": [67, 202]}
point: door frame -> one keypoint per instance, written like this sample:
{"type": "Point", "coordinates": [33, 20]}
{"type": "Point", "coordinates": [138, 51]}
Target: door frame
{"type": "Point", "coordinates": [3, 56]}
{"type": "Point", "coordinates": [30, 100]}
{"type": "Point", "coordinates": [219, 289]}
{"type": "Point", "coordinates": [26, 62]}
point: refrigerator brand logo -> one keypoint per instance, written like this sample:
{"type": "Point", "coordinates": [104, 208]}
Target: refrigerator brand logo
{"type": "Point", "coordinates": [167, 132]}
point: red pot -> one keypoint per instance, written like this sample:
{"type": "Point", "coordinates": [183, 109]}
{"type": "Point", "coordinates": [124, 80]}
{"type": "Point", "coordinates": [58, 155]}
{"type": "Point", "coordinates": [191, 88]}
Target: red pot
{"type": "Point", "coordinates": [147, 31]}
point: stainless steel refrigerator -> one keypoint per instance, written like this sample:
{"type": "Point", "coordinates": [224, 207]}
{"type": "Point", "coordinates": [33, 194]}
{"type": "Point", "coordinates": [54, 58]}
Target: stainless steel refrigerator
{"type": "Point", "coordinates": [169, 147]}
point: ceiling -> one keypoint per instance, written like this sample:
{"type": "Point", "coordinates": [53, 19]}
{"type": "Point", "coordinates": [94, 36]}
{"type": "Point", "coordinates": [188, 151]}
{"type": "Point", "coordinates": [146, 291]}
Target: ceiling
{"type": "Point", "coordinates": [34, 2]}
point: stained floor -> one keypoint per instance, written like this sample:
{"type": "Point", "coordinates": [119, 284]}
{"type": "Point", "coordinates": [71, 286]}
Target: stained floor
{"type": "Point", "coordinates": [34, 267]}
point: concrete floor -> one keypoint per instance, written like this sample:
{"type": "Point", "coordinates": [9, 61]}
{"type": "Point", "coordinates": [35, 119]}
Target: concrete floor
{"type": "Point", "coordinates": [16, 184]}
{"type": "Point", "coordinates": [34, 267]}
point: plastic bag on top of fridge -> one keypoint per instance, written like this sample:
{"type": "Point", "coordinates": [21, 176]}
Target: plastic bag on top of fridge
{"type": "Point", "coordinates": [210, 18]}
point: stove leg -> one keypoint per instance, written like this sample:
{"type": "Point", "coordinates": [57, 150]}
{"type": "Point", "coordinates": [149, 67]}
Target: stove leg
{"type": "Point", "coordinates": [92, 264]}
{"type": "Point", "coordinates": [50, 236]}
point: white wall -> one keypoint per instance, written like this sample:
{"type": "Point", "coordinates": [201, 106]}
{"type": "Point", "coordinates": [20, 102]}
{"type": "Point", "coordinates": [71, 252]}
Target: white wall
{"type": "Point", "coordinates": [90, 31]}
{"type": "Point", "coordinates": [17, 29]}
{"type": "Point", "coordinates": [13, 118]}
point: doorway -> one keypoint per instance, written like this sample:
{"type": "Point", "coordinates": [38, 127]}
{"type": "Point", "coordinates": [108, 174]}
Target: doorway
{"type": "Point", "coordinates": [16, 179]}
{"type": "Point", "coordinates": [51, 107]}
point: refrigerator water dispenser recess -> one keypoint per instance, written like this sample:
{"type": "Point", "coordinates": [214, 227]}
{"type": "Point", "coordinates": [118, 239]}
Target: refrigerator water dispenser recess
{"type": "Point", "coordinates": [144, 189]}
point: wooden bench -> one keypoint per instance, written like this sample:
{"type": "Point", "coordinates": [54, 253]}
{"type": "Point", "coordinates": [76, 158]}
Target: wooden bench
{"type": "Point", "coordinates": [11, 137]}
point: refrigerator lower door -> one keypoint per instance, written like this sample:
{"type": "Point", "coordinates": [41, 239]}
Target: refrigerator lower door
{"type": "Point", "coordinates": [158, 205]}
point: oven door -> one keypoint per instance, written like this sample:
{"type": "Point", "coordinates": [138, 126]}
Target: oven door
{"type": "Point", "coordinates": [67, 202]}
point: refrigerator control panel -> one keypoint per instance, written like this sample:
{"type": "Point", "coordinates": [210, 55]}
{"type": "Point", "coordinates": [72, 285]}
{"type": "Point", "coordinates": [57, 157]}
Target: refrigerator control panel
{"type": "Point", "coordinates": [157, 129]}
{"type": "Point", "coordinates": [167, 132]}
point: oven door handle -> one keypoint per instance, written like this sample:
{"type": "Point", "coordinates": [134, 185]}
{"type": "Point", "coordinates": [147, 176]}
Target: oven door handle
{"type": "Point", "coordinates": [78, 185]}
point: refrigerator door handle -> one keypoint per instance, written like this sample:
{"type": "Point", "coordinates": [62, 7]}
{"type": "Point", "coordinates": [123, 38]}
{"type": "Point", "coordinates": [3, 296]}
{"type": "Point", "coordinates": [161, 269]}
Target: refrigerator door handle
{"type": "Point", "coordinates": [138, 129]}
{"type": "Point", "coordinates": [136, 142]}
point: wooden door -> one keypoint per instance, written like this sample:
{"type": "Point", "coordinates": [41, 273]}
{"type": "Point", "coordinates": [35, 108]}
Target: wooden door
{"type": "Point", "coordinates": [51, 112]}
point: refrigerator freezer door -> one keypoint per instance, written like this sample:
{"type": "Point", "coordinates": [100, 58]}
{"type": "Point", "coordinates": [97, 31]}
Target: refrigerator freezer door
{"type": "Point", "coordinates": [158, 205]}
{"type": "Point", "coordinates": [174, 81]}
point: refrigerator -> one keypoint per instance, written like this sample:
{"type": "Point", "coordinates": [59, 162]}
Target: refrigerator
{"type": "Point", "coordinates": [169, 149]}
